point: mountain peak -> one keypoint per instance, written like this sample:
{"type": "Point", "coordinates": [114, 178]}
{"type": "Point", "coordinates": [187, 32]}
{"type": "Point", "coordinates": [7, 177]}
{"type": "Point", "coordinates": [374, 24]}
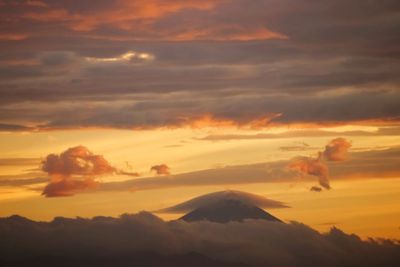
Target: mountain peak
{"type": "Point", "coordinates": [215, 197]}
{"type": "Point", "coordinates": [226, 210]}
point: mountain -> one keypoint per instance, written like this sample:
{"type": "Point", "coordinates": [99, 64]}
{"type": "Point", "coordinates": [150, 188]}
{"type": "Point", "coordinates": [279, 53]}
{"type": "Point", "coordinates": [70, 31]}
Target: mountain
{"type": "Point", "coordinates": [215, 197]}
{"type": "Point", "coordinates": [226, 210]}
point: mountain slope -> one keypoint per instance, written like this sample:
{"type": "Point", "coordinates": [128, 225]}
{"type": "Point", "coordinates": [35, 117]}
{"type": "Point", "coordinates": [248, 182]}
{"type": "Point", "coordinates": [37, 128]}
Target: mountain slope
{"type": "Point", "coordinates": [227, 210]}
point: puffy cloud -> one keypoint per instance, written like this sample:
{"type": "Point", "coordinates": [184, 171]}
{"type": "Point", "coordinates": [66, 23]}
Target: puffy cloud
{"type": "Point", "coordinates": [161, 169]}
{"type": "Point", "coordinates": [77, 161]}
{"type": "Point", "coordinates": [67, 186]}
{"type": "Point", "coordinates": [337, 149]}
{"type": "Point", "coordinates": [215, 197]}
{"type": "Point", "coordinates": [74, 170]}
{"type": "Point", "coordinates": [312, 166]}
{"type": "Point", "coordinates": [106, 241]}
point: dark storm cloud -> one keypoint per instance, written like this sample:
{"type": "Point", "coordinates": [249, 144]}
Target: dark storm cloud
{"type": "Point", "coordinates": [106, 241]}
{"type": "Point", "coordinates": [337, 59]}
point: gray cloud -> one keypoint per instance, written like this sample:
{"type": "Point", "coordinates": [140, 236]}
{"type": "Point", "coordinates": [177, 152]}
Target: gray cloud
{"type": "Point", "coordinates": [322, 72]}
{"type": "Point", "coordinates": [254, 242]}
{"type": "Point", "coordinates": [240, 110]}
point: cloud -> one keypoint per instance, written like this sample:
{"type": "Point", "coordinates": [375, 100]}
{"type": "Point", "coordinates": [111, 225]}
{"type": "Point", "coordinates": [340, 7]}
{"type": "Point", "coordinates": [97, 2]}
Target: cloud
{"type": "Point", "coordinates": [297, 147]}
{"type": "Point", "coordinates": [245, 174]}
{"type": "Point", "coordinates": [161, 169]}
{"type": "Point", "coordinates": [76, 161]}
{"type": "Point", "coordinates": [65, 187]}
{"type": "Point", "coordinates": [370, 164]}
{"type": "Point", "coordinates": [208, 199]}
{"type": "Point", "coordinates": [74, 170]}
{"type": "Point", "coordinates": [105, 241]}
{"type": "Point", "coordinates": [314, 167]}
{"type": "Point", "coordinates": [234, 61]}
{"type": "Point", "coordinates": [337, 149]}
{"type": "Point", "coordinates": [23, 182]}
{"type": "Point", "coordinates": [316, 189]}
{"type": "Point", "coordinates": [387, 131]}
{"type": "Point", "coordinates": [19, 161]}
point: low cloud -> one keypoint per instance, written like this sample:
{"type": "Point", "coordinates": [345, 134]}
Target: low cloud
{"type": "Point", "coordinates": [105, 241]}
{"type": "Point", "coordinates": [161, 169]}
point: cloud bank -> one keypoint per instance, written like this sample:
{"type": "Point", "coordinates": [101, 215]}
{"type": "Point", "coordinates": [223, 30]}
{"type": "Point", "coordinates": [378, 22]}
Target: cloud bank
{"type": "Point", "coordinates": [252, 243]}
{"type": "Point", "coordinates": [289, 62]}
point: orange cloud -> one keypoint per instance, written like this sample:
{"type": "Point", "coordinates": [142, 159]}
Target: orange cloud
{"type": "Point", "coordinates": [73, 171]}
{"type": "Point", "coordinates": [161, 169]}
{"type": "Point", "coordinates": [209, 120]}
{"type": "Point", "coordinates": [314, 167]}
{"type": "Point", "coordinates": [64, 187]}
{"type": "Point", "coordinates": [337, 149]}
{"type": "Point", "coordinates": [77, 161]}
{"type": "Point", "coordinates": [13, 36]}
{"type": "Point", "coordinates": [141, 20]}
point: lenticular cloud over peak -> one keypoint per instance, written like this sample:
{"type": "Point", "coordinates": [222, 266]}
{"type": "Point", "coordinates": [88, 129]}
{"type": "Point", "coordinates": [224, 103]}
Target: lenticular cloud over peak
{"type": "Point", "coordinates": [212, 198]}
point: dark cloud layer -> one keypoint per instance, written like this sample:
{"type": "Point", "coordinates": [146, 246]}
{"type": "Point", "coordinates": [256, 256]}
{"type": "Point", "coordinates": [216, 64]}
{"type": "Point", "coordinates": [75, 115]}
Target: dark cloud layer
{"type": "Point", "coordinates": [104, 240]}
{"type": "Point", "coordinates": [306, 61]}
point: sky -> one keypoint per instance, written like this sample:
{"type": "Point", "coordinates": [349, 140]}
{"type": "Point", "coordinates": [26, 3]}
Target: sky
{"type": "Point", "coordinates": [111, 107]}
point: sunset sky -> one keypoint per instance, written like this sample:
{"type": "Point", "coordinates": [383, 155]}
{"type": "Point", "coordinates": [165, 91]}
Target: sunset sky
{"type": "Point", "coordinates": [116, 106]}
